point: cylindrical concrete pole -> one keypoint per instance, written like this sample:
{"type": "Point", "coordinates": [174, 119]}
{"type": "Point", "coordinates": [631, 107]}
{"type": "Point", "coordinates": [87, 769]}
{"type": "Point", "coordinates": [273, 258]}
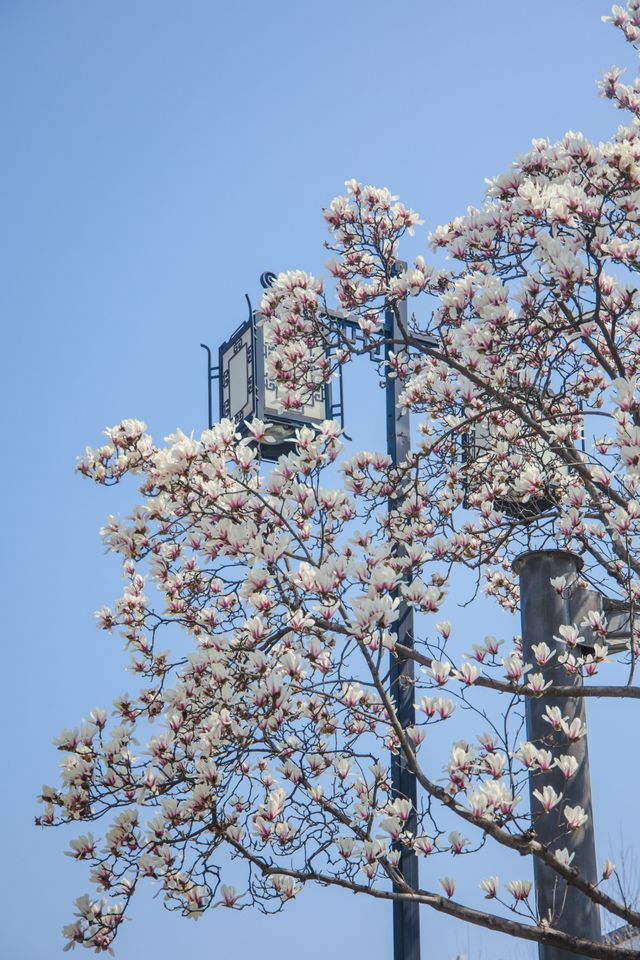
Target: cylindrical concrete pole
{"type": "Point", "coordinates": [543, 611]}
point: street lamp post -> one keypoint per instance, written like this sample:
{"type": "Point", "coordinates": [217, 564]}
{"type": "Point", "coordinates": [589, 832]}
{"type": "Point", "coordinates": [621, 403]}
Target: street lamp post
{"type": "Point", "coordinates": [245, 391]}
{"type": "Point", "coordinates": [406, 913]}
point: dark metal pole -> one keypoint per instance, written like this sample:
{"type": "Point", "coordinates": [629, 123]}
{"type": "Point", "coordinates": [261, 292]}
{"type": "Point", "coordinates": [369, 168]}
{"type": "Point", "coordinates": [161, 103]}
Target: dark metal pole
{"type": "Point", "coordinates": [542, 611]}
{"type": "Point", "coordinates": [406, 917]}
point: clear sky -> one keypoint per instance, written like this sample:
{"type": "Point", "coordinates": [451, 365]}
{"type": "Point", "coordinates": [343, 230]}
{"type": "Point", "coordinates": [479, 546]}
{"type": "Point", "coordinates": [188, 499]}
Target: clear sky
{"type": "Point", "coordinates": [157, 157]}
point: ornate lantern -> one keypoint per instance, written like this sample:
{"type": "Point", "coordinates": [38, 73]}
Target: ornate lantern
{"type": "Point", "coordinates": [479, 450]}
{"type": "Point", "coordinates": [246, 391]}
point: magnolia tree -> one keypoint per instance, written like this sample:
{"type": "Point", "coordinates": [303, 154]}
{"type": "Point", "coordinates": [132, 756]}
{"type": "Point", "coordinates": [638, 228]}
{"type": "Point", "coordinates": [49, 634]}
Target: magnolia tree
{"type": "Point", "coordinates": [257, 761]}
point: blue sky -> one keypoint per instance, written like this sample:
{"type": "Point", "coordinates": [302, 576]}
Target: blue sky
{"type": "Point", "coordinates": [157, 157]}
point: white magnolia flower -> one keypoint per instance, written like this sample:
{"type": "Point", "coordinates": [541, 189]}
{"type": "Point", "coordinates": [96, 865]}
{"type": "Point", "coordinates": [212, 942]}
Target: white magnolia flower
{"type": "Point", "coordinates": [608, 868]}
{"type": "Point", "coordinates": [575, 817]}
{"type": "Point", "coordinates": [489, 887]}
{"type": "Point", "coordinates": [564, 857]}
{"type": "Point", "coordinates": [547, 797]}
{"type": "Point", "coordinates": [448, 884]}
{"type": "Point", "coordinates": [519, 888]}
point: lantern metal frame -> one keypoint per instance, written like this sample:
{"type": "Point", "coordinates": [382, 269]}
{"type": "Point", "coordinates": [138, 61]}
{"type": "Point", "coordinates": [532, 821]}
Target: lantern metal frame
{"type": "Point", "coordinates": [475, 443]}
{"type": "Point", "coordinates": [283, 423]}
